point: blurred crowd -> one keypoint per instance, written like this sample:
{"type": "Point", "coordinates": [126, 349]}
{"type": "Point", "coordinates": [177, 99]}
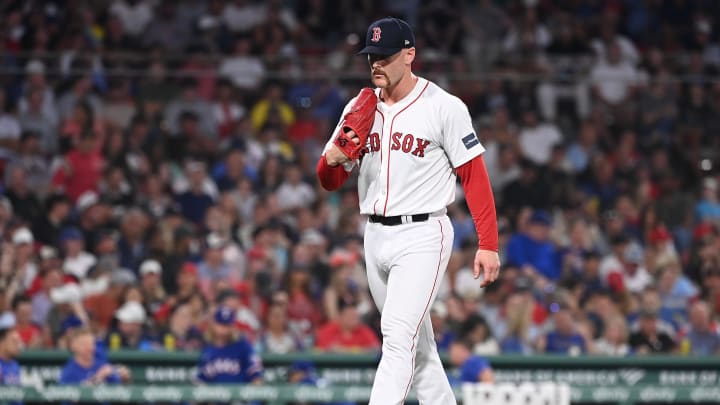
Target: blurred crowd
{"type": "Point", "coordinates": [158, 163]}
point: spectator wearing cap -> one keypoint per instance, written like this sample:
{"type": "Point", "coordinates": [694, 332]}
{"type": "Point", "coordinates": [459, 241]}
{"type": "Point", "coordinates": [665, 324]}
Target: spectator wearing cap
{"type": "Point", "coordinates": [533, 251]}
{"type": "Point", "coordinates": [30, 334]}
{"type": "Point", "coordinates": [564, 337]}
{"type": "Point", "coordinates": [24, 266]}
{"type": "Point", "coordinates": [86, 367]}
{"type": "Point", "coordinates": [227, 358]}
{"type": "Point", "coordinates": [342, 286]}
{"type": "Point", "coordinates": [10, 347]}
{"type": "Point", "coordinates": [130, 332]}
{"type": "Point", "coordinates": [348, 333]}
{"type": "Point", "coordinates": [150, 284]}
{"type": "Point", "coordinates": [47, 228]}
{"type": "Point", "coordinates": [213, 268]}
{"type": "Point", "coordinates": [648, 338]}
{"type": "Point", "coordinates": [77, 260]}
{"type": "Point", "coordinates": [635, 276]}
{"type": "Point", "coordinates": [277, 336]}
{"type": "Point", "coordinates": [702, 338]}
{"type": "Point", "coordinates": [472, 368]}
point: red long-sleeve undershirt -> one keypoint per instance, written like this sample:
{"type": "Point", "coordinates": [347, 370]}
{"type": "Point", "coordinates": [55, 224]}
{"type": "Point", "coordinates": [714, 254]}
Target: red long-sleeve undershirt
{"type": "Point", "coordinates": [331, 177]}
{"type": "Point", "coordinates": [480, 200]}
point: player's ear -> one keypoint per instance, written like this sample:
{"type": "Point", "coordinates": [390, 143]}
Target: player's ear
{"type": "Point", "coordinates": [410, 56]}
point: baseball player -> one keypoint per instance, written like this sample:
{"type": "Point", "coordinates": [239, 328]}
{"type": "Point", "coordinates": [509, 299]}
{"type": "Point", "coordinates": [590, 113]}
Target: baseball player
{"type": "Point", "coordinates": [227, 359]}
{"type": "Point", "coordinates": [409, 139]}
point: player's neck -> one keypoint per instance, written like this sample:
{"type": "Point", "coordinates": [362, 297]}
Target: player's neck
{"type": "Point", "coordinates": [393, 94]}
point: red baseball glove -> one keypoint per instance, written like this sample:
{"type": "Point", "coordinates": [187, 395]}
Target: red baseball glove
{"type": "Point", "coordinates": [359, 119]}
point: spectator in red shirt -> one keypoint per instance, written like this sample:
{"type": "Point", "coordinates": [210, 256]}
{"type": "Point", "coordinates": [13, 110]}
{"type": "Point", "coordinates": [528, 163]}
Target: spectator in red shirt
{"type": "Point", "coordinates": [81, 169]}
{"type": "Point", "coordinates": [29, 332]}
{"type": "Point", "coordinates": [347, 333]}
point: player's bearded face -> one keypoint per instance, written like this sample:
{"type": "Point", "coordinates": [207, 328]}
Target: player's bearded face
{"type": "Point", "coordinates": [385, 71]}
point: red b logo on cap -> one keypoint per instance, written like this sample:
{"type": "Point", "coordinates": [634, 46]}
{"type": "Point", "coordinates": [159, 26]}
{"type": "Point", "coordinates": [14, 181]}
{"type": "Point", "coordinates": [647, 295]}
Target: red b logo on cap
{"type": "Point", "coordinates": [376, 34]}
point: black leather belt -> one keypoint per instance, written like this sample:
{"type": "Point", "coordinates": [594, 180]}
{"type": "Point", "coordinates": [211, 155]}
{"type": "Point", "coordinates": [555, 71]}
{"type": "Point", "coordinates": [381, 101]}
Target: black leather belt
{"type": "Point", "coordinates": [398, 219]}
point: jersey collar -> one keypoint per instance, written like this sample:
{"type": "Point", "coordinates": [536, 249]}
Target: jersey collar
{"type": "Point", "coordinates": [419, 86]}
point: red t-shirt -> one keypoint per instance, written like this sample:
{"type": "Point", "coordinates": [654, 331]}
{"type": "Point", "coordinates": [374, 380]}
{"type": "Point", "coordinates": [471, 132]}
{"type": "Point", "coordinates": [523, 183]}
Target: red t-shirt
{"type": "Point", "coordinates": [27, 333]}
{"type": "Point", "coordinates": [330, 337]}
{"type": "Point", "coordinates": [80, 173]}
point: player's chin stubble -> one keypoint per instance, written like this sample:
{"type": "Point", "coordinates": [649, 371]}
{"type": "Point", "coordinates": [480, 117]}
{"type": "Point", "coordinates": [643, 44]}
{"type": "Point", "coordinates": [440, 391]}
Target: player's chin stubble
{"type": "Point", "coordinates": [382, 81]}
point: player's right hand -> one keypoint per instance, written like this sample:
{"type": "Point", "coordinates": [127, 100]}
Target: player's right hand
{"type": "Point", "coordinates": [335, 156]}
{"type": "Point", "coordinates": [487, 262]}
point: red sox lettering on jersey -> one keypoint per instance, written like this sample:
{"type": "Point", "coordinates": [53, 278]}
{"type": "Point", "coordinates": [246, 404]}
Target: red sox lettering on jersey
{"type": "Point", "coordinates": [411, 151]}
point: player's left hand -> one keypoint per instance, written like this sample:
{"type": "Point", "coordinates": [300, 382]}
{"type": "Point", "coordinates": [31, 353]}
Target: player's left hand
{"type": "Point", "coordinates": [487, 262]}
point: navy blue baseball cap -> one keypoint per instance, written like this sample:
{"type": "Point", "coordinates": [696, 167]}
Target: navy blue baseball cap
{"type": "Point", "coordinates": [224, 316]}
{"type": "Point", "coordinates": [388, 36]}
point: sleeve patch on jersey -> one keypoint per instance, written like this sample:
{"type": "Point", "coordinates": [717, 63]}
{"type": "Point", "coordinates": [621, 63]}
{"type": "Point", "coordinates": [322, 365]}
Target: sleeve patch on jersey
{"type": "Point", "coordinates": [470, 140]}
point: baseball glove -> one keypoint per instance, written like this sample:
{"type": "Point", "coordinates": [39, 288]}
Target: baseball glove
{"type": "Point", "coordinates": [359, 119]}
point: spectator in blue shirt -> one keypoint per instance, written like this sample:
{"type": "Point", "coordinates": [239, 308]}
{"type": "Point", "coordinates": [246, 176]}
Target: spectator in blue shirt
{"type": "Point", "coordinates": [703, 338]}
{"type": "Point", "coordinates": [471, 367]}
{"type": "Point", "coordinates": [10, 346]}
{"type": "Point", "coordinates": [533, 251]}
{"type": "Point", "coordinates": [708, 208]}
{"type": "Point", "coordinates": [87, 368]}
{"type": "Point", "coordinates": [226, 358]}
{"type": "Point", "coordinates": [564, 338]}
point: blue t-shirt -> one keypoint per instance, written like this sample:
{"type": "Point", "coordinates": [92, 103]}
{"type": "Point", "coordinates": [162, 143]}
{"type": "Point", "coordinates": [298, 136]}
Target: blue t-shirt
{"type": "Point", "coordinates": [10, 375]}
{"type": "Point", "coordinates": [471, 369]}
{"type": "Point", "coordinates": [561, 344]}
{"type": "Point", "coordinates": [74, 373]}
{"type": "Point", "coordinates": [523, 250]}
{"type": "Point", "coordinates": [235, 362]}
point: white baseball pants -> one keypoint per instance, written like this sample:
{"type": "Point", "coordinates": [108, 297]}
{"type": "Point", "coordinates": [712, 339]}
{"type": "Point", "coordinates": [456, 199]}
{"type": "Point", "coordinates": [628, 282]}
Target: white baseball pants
{"type": "Point", "coordinates": [405, 266]}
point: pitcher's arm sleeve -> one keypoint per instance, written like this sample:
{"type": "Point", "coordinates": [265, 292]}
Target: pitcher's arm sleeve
{"type": "Point", "coordinates": [480, 200]}
{"type": "Point", "coordinates": [331, 177]}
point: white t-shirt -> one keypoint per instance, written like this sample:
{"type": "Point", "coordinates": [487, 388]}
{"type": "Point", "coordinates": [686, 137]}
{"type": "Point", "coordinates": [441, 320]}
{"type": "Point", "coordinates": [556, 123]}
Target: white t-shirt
{"type": "Point", "coordinates": [537, 143]}
{"type": "Point", "coordinates": [413, 148]}
{"type": "Point", "coordinates": [134, 18]}
{"type": "Point", "coordinates": [614, 81]}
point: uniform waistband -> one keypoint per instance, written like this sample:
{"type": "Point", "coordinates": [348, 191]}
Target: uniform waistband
{"type": "Point", "coordinates": [404, 219]}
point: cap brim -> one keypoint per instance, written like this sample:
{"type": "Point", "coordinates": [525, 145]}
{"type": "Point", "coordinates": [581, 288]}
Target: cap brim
{"type": "Point", "coordinates": [375, 50]}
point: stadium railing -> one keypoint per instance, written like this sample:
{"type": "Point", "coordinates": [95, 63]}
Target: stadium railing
{"type": "Point", "coordinates": [592, 380]}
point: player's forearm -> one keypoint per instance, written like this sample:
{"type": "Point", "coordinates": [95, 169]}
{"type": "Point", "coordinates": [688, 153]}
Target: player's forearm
{"type": "Point", "coordinates": [331, 177]}
{"type": "Point", "coordinates": [480, 201]}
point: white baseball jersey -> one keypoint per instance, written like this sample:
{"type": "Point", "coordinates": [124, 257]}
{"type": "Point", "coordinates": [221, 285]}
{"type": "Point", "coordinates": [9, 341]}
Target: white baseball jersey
{"type": "Point", "coordinates": [413, 148]}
